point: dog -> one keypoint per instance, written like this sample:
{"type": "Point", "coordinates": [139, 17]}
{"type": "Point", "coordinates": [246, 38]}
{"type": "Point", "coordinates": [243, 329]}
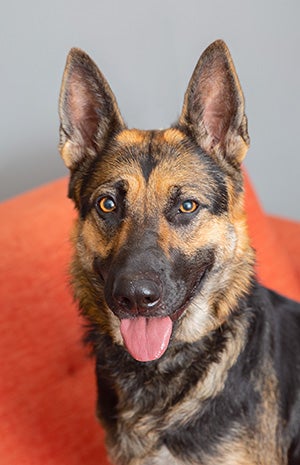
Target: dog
{"type": "Point", "coordinates": [196, 362]}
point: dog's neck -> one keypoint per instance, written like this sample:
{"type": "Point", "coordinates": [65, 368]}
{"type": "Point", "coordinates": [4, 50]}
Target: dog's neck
{"type": "Point", "coordinates": [188, 375]}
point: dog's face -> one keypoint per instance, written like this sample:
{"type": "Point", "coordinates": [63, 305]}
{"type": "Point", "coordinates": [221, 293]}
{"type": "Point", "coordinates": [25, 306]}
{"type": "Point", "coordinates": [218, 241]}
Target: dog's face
{"type": "Point", "coordinates": [161, 233]}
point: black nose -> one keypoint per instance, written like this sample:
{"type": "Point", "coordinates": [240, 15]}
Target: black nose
{"type": "Point", "coordinates": [136, 296]}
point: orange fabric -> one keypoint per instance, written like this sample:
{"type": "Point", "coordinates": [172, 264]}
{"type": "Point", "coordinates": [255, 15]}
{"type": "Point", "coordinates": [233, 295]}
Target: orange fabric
{"type": "Point", "coordinates": [288, 232]}
{"type": "Point", "coordinates": [47, 386]}
{"type": "Point", "coordinates": [274, 266]}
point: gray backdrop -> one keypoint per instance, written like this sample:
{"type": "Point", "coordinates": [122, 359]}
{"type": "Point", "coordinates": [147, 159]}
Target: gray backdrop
{"type": "Point", "coordinates": [147, 50]}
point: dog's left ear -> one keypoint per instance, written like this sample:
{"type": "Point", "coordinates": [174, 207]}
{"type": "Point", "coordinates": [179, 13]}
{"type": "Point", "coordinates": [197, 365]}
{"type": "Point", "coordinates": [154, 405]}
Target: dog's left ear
{"type": "Point", "coordinates": [213, 108]}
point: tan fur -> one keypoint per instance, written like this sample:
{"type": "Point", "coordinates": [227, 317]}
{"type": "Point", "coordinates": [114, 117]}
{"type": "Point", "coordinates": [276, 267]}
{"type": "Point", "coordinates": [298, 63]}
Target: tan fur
{"type": "Point", "coordinates": [131, 137]}
{"type": "Point", "coordinates": [173, 136]}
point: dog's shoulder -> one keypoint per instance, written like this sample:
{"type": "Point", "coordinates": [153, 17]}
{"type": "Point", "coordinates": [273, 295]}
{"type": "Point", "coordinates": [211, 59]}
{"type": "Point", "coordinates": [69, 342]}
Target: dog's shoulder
{"type": "Point", "coordinates": [279, 319]}
{"type": "Point", "coordinates": [287, 317]}
{"type": "Point", "coordinates": [282, 321]}
{"type": "Point", "coordinates": [282, 315]}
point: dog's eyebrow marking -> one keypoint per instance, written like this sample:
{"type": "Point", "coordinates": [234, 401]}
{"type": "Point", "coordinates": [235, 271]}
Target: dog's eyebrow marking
{"type": "Point", "coordinates": [173, 136]}
{"type": "Point", "coordinates": [131, 136]}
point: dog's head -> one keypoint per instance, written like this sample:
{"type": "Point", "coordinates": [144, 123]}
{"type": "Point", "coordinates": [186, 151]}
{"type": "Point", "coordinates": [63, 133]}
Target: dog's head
{"type": "Point", "coordinates": [161, 248]}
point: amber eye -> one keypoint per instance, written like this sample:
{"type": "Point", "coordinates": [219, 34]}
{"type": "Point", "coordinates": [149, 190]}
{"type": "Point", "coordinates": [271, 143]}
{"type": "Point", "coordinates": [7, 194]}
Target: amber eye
{"type": "Point", "coordinates": [106, 204]}
{"type": "Point", "coordinates": [188, 206]}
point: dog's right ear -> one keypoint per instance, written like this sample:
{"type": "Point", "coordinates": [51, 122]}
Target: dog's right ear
{"type": "Point", "coordinates": [87, 108]}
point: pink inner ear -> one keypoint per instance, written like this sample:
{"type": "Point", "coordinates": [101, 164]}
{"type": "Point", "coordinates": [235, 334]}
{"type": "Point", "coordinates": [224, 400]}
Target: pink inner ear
{"type": "Point", "coordinates": [78, 101]}
{"type": "Point", "coordinates": [82, 107]}
{"type": "Point", "coordinates": [213, 119]}
{"type": "Point", "coordinates": [217, 100]}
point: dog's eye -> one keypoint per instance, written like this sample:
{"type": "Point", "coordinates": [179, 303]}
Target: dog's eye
{"type": "Point", "coordinates": [106, 205]}
{"type": "Point", "coordinates": [188, 206]}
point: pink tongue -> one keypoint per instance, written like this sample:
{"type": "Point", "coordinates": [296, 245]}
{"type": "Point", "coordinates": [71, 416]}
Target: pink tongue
{"type": "Point", "coordinates": [146, 339]}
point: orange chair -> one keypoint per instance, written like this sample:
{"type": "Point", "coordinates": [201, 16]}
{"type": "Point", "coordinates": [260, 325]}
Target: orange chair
{"type": "Point", "coordinates": [47, 386]}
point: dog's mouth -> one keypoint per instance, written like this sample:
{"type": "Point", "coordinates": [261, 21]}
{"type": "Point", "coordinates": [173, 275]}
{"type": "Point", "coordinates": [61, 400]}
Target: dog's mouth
{"type": "Point", "coordinates": [147, 338]}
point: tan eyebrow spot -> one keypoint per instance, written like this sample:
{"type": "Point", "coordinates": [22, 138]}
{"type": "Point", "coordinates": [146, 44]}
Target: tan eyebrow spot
{"type": "Point", "coordinates": [173, 136]}
{"type": "Point", "coordinates": [131, 136]}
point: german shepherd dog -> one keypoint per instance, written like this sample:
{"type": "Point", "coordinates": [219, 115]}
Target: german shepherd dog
{"type": "Point", "coordinates": [196, 362]}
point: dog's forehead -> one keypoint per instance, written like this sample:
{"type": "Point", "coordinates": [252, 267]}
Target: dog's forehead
{"type": "Point", "coordinates": [138, 136]}
{"type": "Point", "coordinates": [154, 159]}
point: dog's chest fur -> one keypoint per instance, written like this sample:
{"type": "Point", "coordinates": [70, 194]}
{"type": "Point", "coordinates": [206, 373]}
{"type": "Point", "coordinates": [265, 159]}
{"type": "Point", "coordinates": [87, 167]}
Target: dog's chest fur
{"type": "Point", "coordinates": [205, 403]}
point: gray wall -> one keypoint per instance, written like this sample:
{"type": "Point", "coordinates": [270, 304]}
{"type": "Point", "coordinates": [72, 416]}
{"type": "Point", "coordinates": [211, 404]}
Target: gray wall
{"type": "Point", "coordinates": [147, 50]}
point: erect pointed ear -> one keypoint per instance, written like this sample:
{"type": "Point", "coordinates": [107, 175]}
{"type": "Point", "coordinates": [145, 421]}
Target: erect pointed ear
{"type": "Point", "coordinates": [213, 108]}
{"type": "Point", "coordinates": [87, 108]}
